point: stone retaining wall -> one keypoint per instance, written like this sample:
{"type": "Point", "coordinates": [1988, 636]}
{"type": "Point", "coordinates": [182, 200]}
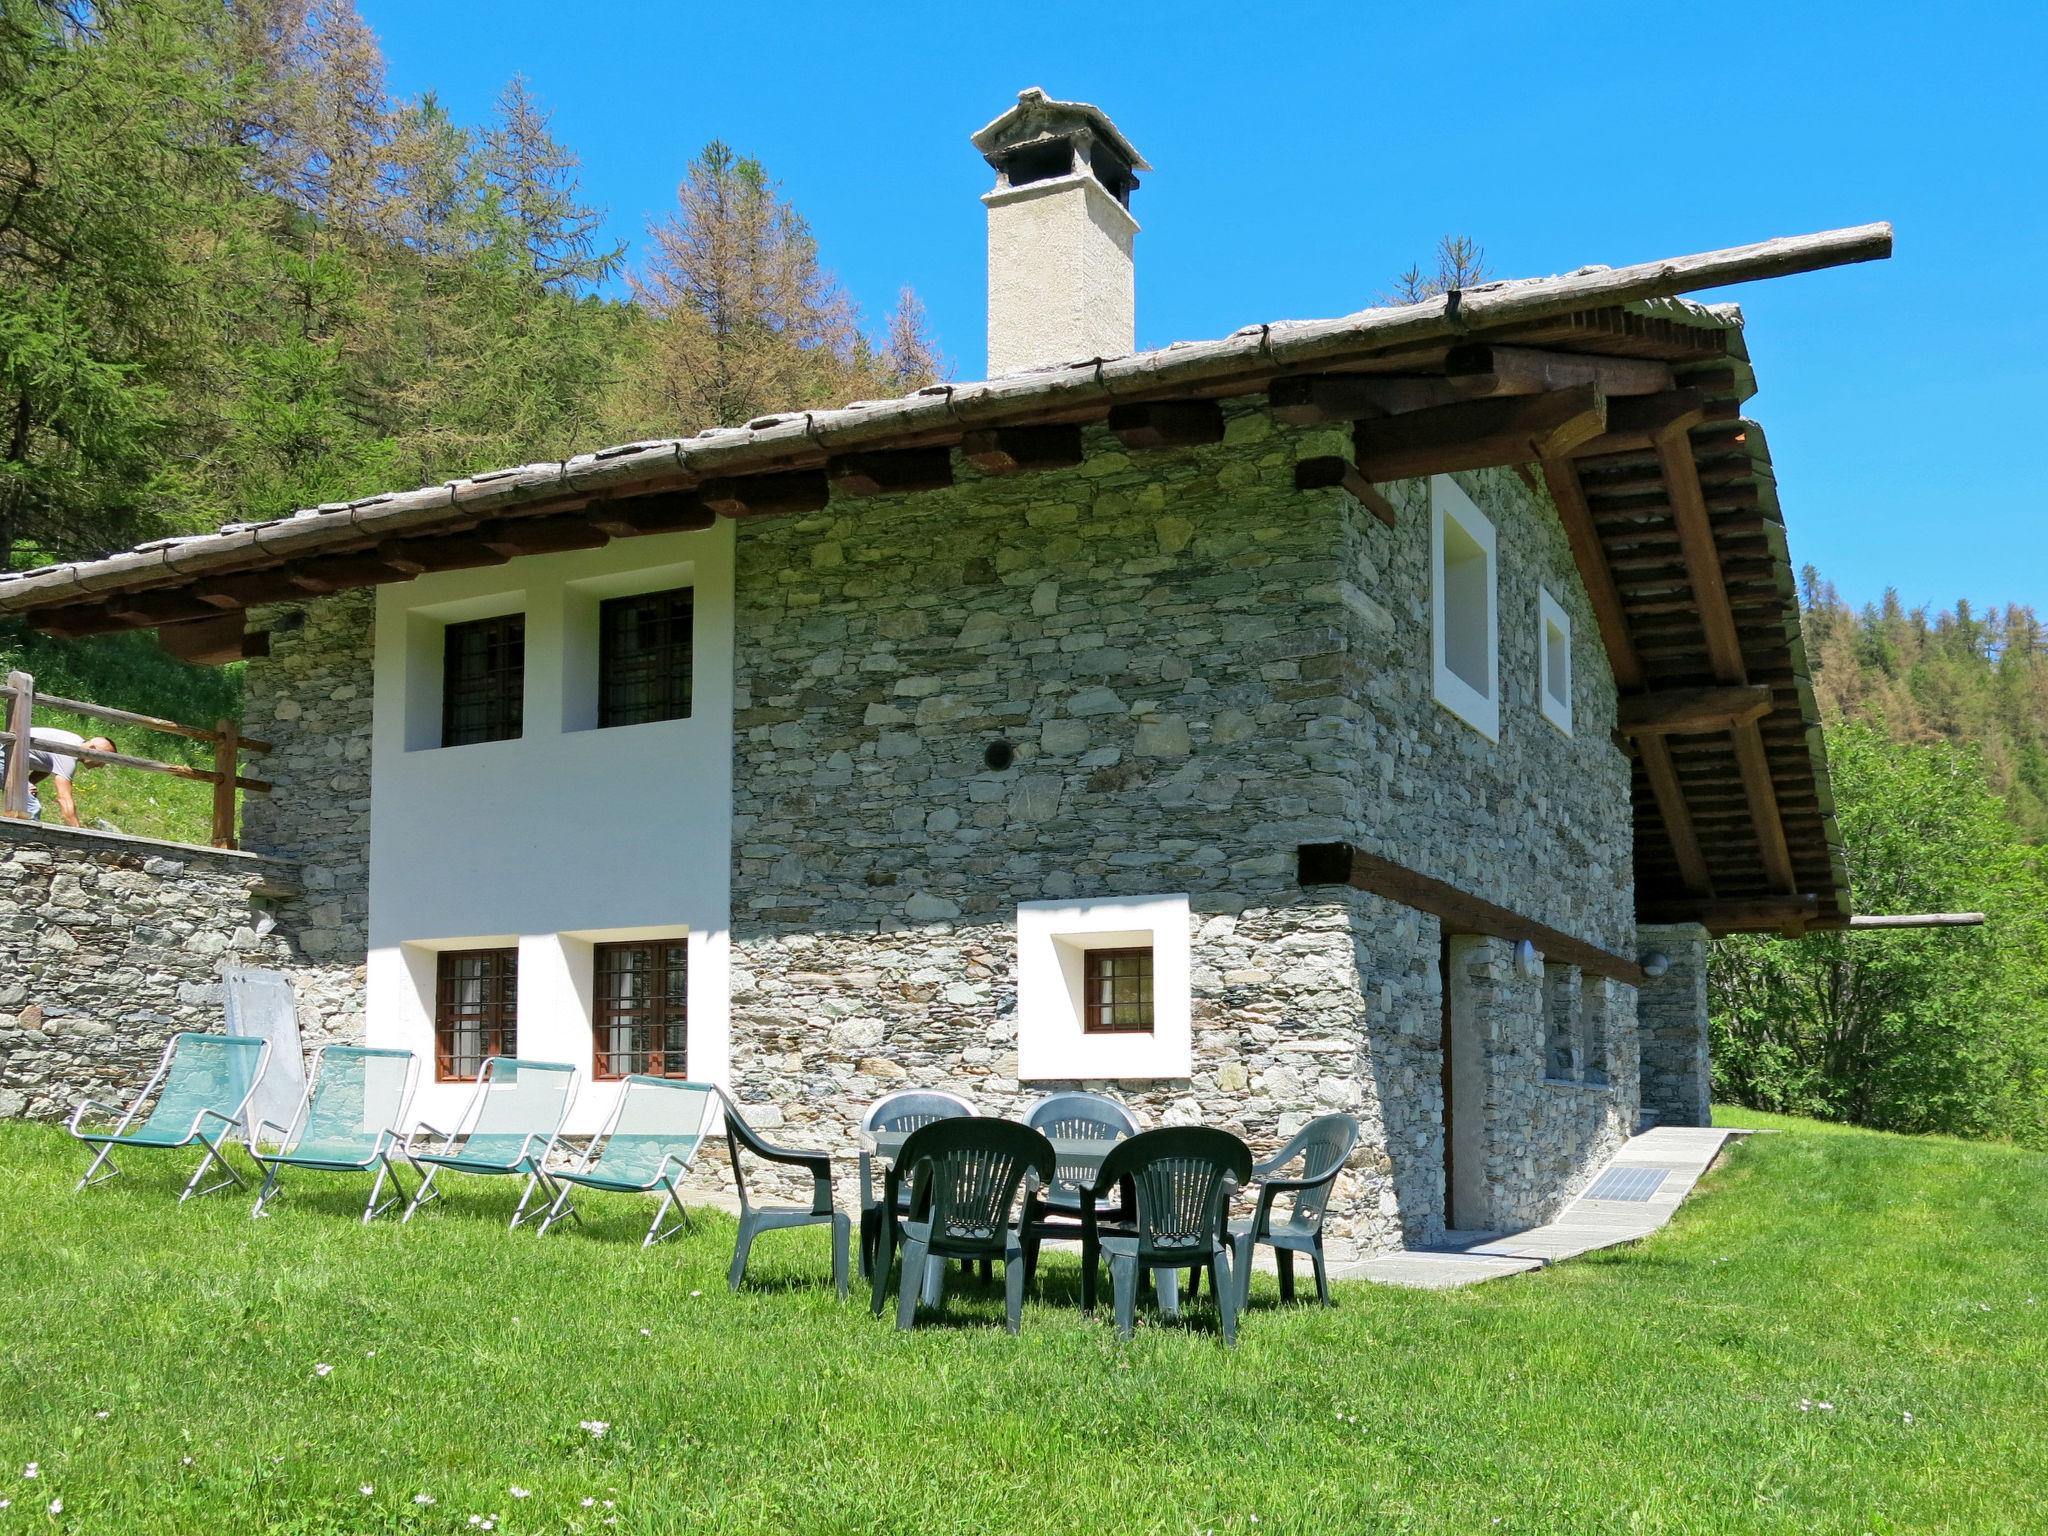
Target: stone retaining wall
{"type": "Point", "coordinates": [109, 945]}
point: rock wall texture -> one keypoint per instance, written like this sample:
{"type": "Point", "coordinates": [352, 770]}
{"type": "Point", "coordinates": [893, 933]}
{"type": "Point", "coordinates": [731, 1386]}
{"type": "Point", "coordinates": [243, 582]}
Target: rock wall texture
{"type": "Point", "coordinates": [1198, 668]}
{"type": "Point", "coordinates": [1672, 1026]}
{"type": "Point", "coordinates": [110, 945]}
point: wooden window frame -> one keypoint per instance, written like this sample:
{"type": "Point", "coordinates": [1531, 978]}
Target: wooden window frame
{"type": "Point", "coordinates": [670, 664]}
{"type": "Point", "coordinates": [496, 1021]}
{"type": "Point", "coordinates": [1098, 1011]}
{"type": "Point", "coordinates": [665, 1017]}
{"type": "Point", "coordinates": [503, 685]}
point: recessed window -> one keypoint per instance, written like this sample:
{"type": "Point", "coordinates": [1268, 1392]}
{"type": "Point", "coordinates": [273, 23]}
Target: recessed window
{"type": "Point", "coordinates": [483, 680]}
{"type": "Point", "coordinates": [476, 1006]}
{"type": "Point", "coordinates": [644, 657]}
{"type": "Point", "coordinates": [1555, 662]}
{"type": "Point", "coordinates": [1594, 999]}
{"type": "Point", "coordinates": [1560, 1023]}
{"type": "Point", "coordinates": [641, 1017]}
{"type": "Point", "coordinates": [1464, 627]}
{"type": "Point", "coordinates": [1118, 996]}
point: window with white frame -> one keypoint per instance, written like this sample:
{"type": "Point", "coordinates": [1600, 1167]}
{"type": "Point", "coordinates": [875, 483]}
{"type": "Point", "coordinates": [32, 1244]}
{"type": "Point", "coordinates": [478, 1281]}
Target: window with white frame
{"type": "Point", "coordinates": [1463, 610]}
{"type": "Point", "coordinates": [1103, 988]}
{"type": "Point", "coordinates": [1554, 651]}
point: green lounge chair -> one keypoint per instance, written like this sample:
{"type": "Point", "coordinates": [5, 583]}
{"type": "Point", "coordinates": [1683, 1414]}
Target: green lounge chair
{"type": "Point", "coordinates": [347, 1122]}
{"type": "Point", "coordinates": [202, 1086]}
{"type": "Point", "coordinates": [653, 1135]}
{"type": "Point", "coordinates": [510, 1126]}
{"type": "Point", "coordinates": [756, 1219]}
{"type": "Point", "coordinates": [1322, 1146]}
{"type": "Point", "coordinates": [964, 1175]}
{"type": "Point", "coordinates": [1183, 1178]}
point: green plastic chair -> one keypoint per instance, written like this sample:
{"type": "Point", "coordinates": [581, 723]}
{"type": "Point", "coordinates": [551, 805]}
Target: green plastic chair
{"type": "Point", "coordinates": [964, 1176]}
{"type": "Point", "coordinates": [756, 1219]}
{"type": "Point", "coordinates": [509, 1126]}
{"type": "Point", "coordinates": [202, 1086]}
{"type": "Point", "coordinates": [1322, 1146]}
{"type": "Point", "coordinates": [1053, 1214]}
{"type": "Point", "coordinates": [347, 1122]}
{"type": "Point", "coordinates": [1182, 1178]}
{"type": "Point", "coordinates": [896, 1112]}
{"type": "Point", "coordinates": [654, 1133]}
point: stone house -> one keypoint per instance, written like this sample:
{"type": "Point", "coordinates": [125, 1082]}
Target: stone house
{"type": "Point", "coordinates": [1374, 714]}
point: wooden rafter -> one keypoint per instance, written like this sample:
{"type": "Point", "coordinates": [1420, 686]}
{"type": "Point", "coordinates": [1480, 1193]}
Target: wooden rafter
{"type": "Point", "coordinates": [1479, 434]}
{"type": "Point", "coordinates": [542, 535]}
{"type": "Point", "coordinates": [1562, 479]}
{"type": "Point", "coordinates": [1675, 815]}
{"type": "Point", "coordinates": [1688, 711]}
{"type": "Point", "coordinates": [1323, 473]}
{"type": "Point", "coordinates": [1157, 424]}
{"type": "Point", "coordinates": [1013, 450]}
{"type": "Point", "coordinates": [772, 495]}
{"type": "Point", "coordinates": [890, 472]}
{"type": "Point", "coordinates": [1737, 914]}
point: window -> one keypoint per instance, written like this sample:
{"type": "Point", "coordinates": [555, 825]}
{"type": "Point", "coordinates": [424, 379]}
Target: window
{"type": "Point", "coordinates": [1560, 1023]}
{"type": "Point", "coordinates": [476, 1007]}
{"type": "Point", "coordinates": [1555, 662]}
{"type": "Point", "coordinates": [1594, 1000]}
{"type": "Point", "coordinates": [1118, 998]}
{"type": "Point", "coordinates": [644, 658]}
{"type": "Point", "coordinates": [483, 680]}
{"type": "Point", "coordinates": [642, 1015]}
{"type": "Point", "coordinates": [1464, 627]}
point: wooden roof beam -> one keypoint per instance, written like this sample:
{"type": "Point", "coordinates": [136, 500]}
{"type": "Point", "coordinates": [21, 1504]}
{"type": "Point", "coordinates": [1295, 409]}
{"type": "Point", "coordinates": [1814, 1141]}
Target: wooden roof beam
{"type": "Point", "coordinates": [459, 553]}
{"type": "Point", "coordinates": [1634, 422]}
{"type": "Point", "coordinates": [1482, 369]}
{"type": "Point", "coordinates": [1691, 711]}
{"type": "Point", "coordinates": [1321, 474]}
{"type": "Point", "coordinates": [1675, 815]}
{"type": "Point", "coordinates": [1145, 426]}
{"type": "Point", "coordinates": [1736, 914]}
{"type": "Point", "coordinates": [1590, 557]}
{"type": "Point", "coordinates": [542, 535]}
{"type": "Point", "coordinates": [1479, 434]}
{"type": "Point", "coordinates": [891, 472]}
{"type": "Point", "coordinates": [665, 512]}
{"type": "Point", "coordinates": [1015, 450]}
{"type": "Point", "coordinates": [771, 495]}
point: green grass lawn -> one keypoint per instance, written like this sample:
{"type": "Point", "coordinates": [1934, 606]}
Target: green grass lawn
{"type": "Point", "coordinates": [1839, 1333]}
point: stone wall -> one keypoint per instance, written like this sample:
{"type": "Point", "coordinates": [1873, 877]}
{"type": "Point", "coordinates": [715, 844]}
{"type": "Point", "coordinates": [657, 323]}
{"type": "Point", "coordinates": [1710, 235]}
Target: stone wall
{"type": "Point", "coordinates": [109, 945]}
{"type": "Point", "coordinates": [1672, 1026]}
{"type": "Point", "coordinates": [1198, 668]}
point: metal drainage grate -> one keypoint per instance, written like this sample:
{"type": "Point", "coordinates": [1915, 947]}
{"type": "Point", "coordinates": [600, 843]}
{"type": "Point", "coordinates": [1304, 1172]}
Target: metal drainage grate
{"type": "Point", "coordinates": [1627, 1184]}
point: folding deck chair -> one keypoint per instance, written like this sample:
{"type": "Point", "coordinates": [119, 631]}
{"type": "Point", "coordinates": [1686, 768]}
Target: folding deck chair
{"type": "Point", "coordinates": [510, 1126]}
{"type": "Point", "coordinates": [202, 1080]}
{"type": "Point", "coordinates": [347, 1122]}
{"type": "Point", "coordinates": [652, 1136]}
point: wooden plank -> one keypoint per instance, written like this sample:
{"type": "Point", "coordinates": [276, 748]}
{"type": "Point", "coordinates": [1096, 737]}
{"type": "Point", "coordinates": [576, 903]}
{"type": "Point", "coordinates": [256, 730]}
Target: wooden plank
{"type": "Point", "coordinates": [542, 535]}
{"type": "Point", "coordinates": [1762, 795]}
{"type": "Point", "coordinates": [1015, 450]}
{"type": "Point", "coordinates": [1590, 557]}
{"type": "Point", "coordinates": [21, 707]}
{"type": "Point", "coordinates": [1154, 424]}
{"type": "Point", "coordinates": [1323, 473]}
{"type": "Point", "coordinates": [149, 765]}
{"type": "Point", "coordinates": [1674, 815]}
{"type": "Point", "coordinates": [1919, 920]}
{"type": "Point", "coordinates": [147, 722]}
{"type": "Point", "coordinates": [1459, 911]}
{"type": "Point", "coordinates": [1482, 369]}
{"type": "Point", "coordinates": [1702, 560]}
{"type": "Point", "coordinates": [770, 495]}
{"type": "Point", "coordinates": [146, 610]}
{"type": "Point", "coordinates": [1479, 434]}
{"type": "Point", "coordinates": [1633, 423]}
{"type": "Point", "coordinates": [890, 472]}
{"type": "Point", "coordinates": [459, 552]}
{"type": "Point", "coordinates": [1689, 711]}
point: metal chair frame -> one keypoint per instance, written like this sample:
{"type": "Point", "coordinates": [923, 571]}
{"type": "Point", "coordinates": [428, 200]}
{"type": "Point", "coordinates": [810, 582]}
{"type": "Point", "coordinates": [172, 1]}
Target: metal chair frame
{"type": "Point", "coordinates": [534, 1166]}
{"type": "Point", "coordinates": [387, 1139]}
{"type": "Point", "coordinates": [109, 1140]}
{"type": "Point", "coordinates": [662, 1179]}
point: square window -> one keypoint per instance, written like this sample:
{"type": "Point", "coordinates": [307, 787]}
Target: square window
{"type": "Point", "coordinates": [476, 1006]}
{"type": "Point", "coordinates": [1555, 662]}
{"type": "Point", "coordinates": [1464, 624]}
{"type": "Point", "coordinates": [483, 680]}
{"type": "Point", "coordinates": [1118, 996]}
{"type": "Point", "coordinates": [645, 657]}
{"type": "Point", "coordinates": [641, 1018]}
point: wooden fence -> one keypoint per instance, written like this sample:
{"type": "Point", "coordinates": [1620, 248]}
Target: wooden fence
{"type": "Point", "coordinates": [225, 776]}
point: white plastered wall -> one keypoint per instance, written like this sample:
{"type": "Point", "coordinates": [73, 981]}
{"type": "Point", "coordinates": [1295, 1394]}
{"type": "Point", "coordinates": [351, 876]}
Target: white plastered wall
{"type": "Point", "coordinates": [1053, 938]}
{"type": "Point", "coordinates": [1060, 280]}
{"type": "Point", "coordinates": [565, 837]}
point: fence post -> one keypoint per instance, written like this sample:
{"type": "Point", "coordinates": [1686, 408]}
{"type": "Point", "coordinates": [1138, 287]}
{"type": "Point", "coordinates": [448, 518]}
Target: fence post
{"type": "Point", "coordinates": [227, 752]}
{"type": "Point", "coordinates": [21, 705]}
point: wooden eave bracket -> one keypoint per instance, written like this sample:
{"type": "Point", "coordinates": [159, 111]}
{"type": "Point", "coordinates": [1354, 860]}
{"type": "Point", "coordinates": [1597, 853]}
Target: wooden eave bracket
{"type": "Point", "coordinates": [1149, 425]}
{"type": "Point", "coordinates": [1479, 434]}
{"type": "Point", "coordinates": [1692, 711]}
{"type": "Point", "coordinates": [1335, 470]}
{"type": "Point", "coordinates": [1014, 450]}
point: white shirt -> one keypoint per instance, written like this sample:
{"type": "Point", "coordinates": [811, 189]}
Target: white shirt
{"type": "Point", "coordinates": [62, 766]}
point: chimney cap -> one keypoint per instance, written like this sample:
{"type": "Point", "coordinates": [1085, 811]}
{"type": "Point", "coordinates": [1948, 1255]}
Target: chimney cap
{"type": "Point", "coordinates": [1038, 116]}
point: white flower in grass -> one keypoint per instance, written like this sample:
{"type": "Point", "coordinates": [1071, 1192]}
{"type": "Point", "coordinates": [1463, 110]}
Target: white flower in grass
{"type": "Point", "coordinates": [6, 1503]}
{"type": "Point", "coordinates": [595, 1428]}
{"type": "Point", "coordinates": [423, 1498]}
{"type": "Point", "coordinates": [476, 1519]}
{"type": "Point", "coordinates": [1909, 1417]}
{"type": "Point", "coordinates": [56, 1506]}
{"type": "Point", "coordinates": [33, 1469]}
{"type": "Point", "coordinates": [104, 1414]}
{"type": "Point", "coordinates": [322, 1369]}
{"type": "Point", "coordinates": [369, 1354]}
{"type": "Point", "coordinates": [589, 1503]}
{"type": "Point", "coordinates": [646, 1333]}
{"type": "Point", "coordinates": [184, 1461]}
{"type": "Point", "coordinates": [367, 1489]}
{"type": "Point", "coordinates": [696, 1293]}
{"type": "Point", "coordinates": [518, 1492]}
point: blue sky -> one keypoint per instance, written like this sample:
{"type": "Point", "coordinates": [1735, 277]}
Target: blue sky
{"type": "Point", "coordinates": [1305, 154]}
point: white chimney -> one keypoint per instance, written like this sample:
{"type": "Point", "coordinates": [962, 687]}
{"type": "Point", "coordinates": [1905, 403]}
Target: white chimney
{"type": "Point", "coordinates": [1059, 234]}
